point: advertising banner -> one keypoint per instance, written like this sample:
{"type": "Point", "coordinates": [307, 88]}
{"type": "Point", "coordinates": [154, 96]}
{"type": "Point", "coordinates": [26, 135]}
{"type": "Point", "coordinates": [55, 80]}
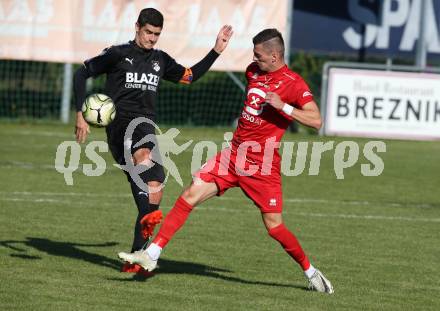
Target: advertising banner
{"type": "Point", "coordinates": [375, 27]}
{"type": "Point", "coordinates": [386, 104]}
{"type": "Point", "coordinates": [74, 30]}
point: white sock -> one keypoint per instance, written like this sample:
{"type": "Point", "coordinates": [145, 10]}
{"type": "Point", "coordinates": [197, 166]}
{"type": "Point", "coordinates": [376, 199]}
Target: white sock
{"type": "Point", "coordinates": [310, 271]}
{"type": "Point", "coordinates": [154, 251]}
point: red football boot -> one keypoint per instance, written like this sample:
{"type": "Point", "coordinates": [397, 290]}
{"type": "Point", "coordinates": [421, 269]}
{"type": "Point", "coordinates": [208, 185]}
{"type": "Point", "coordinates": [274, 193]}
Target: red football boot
{"type": "Point", "coordinates": [134, 268]}
{"type": "Point", "coordinates": [149, 222]}
{"type": "Point", "coordinates": [144, 273]}
{"type": "Point", "coordinates": [130, 268]}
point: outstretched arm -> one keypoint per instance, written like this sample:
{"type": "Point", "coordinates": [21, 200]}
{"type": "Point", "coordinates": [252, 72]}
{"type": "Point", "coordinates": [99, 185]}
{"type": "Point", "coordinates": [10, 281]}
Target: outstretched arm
{"type": "Point", "coordinates": [198, 70]}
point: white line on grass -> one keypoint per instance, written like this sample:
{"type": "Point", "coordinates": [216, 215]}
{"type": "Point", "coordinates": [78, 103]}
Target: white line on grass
{"type": "Point", "coordinates": [33, 200]}
{"type": "Point", "coordinates": [44, 133]}
{"type": "Point", "coordinates": [369, 217]}
{"type": "Point", "coordinates": [25, 198]}
{"type": "Point", "coordinates": [226, 198]}
{"type": "Point", "coordinates": [25, 165]}
{"type": "Point", "coordinates": [79, 194]}
{"type": "Point", "coordinates": [34, 166]}
{"type": "Point", "coordinates": [323, 201]}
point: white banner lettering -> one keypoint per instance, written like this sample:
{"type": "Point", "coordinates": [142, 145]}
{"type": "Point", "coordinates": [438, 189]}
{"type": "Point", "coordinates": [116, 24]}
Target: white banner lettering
{"type": "Point", "coordinates": [75, 30]}
{"type": "Point", "coordinates": [385, 104]}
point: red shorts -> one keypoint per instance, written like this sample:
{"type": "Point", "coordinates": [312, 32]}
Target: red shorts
{"type": "Point", "coordinates": [226, 171]}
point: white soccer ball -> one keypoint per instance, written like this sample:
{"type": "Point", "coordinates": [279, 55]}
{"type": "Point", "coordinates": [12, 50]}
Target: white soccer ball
{"type": "Point", "coordinates": [98, 110]}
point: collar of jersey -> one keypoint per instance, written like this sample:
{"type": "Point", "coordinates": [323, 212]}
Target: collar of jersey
{"type": "Point", "coordinates": [278, 71]}
{"type": "Point", "coordinates": [139, 49]}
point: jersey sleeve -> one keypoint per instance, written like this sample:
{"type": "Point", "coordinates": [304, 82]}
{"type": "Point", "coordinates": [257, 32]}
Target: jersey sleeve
{"type": "Point", "coordinates": [301, 94]}
{"type": "Point", "coordinates": [177, 73]}
{"type": "Point", "coordinates": [251, 69]}
{"type": "Point", "coordinates": [79, 86]}
{"type": "Point", "coordinates": [104, 62]}
{"type": "Point", "coordinates": [174, 72]}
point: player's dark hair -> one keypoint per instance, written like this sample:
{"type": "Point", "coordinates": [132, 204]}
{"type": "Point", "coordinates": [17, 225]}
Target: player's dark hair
{"type": "Point", "coordinates": [150, 16]}
{"type": "Point", "coordinates": [271, 38]}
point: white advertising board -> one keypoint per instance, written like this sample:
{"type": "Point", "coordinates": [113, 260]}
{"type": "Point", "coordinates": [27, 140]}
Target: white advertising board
{"type": "Point", "coordinates": [71, 31]}
{"type": "Point", "coordinates": [383, 104]}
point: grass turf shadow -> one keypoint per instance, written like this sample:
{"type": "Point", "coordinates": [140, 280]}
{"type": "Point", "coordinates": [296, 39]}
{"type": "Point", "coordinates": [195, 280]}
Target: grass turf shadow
{"type": "Point", "coordinates": [166, 266]}
{"type": "Point", "coordinates": [61, 249]}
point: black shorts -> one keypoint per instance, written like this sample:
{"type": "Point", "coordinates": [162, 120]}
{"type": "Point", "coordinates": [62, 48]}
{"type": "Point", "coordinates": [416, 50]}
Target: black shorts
{"type": "Point", "coordinates": [115, 139]}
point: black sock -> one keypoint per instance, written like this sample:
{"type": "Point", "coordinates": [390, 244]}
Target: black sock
{"type": "Point", "coordinates": [154, 207]}
{"type": "Point", "coordinates": [139, 241]}
{"type": "Point", "coordinates": [142, 203]}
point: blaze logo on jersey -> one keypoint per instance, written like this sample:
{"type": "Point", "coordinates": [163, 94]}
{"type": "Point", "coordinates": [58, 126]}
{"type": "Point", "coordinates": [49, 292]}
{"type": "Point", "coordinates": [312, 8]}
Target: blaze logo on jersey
{"type": "Point", "coordinates": [255, 101]}
{"type": "Point", "coordinates": [142, 81]}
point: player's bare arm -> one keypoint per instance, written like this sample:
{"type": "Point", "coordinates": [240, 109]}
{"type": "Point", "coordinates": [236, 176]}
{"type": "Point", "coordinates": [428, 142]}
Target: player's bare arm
{"type": "Point", "coordinates": [81, 128]}
{"type": "Point", "coordinates": [223, 37]}
{"type": "Point", "coordinates": [309, 115]}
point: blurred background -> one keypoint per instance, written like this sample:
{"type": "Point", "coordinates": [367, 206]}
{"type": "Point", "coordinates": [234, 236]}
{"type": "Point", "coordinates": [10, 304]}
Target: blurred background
{"type": "Point", "coordinates": [43, 42]}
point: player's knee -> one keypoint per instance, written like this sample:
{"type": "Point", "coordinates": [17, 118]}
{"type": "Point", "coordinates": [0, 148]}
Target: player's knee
{"type": "Point", "coordinates": [156, 185]}
{"type": "Point", "coordinates": [272, 220]}
{"type": "Point", "coordinates": [155, 190]}
{"type": "Point", "coordinates": [142, 156]}
{"type": "Point", "coordinates": [191, 195]}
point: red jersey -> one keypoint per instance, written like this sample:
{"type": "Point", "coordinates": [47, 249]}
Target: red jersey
{"type": "Point", "coordinates": [260, 122]}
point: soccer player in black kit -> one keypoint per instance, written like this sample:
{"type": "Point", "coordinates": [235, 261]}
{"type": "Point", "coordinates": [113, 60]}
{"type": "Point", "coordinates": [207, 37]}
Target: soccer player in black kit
{"type": "Point", "coordinates": [134, 71]}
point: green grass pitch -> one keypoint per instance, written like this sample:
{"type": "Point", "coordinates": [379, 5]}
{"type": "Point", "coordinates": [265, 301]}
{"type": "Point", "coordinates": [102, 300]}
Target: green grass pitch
{"type": "Point", "coordinates": [376, 238]}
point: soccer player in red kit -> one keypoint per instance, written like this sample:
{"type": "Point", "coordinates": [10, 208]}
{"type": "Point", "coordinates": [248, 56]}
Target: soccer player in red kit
{"type": "Point", "coordinates": [275, 96]}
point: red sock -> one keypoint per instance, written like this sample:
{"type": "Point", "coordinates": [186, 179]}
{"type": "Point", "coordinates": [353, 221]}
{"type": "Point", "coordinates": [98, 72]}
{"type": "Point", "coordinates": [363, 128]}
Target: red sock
{"type": "Point", "coordinates": [290, 244]}
{"type": "Point", "coordinates": [172, 222]}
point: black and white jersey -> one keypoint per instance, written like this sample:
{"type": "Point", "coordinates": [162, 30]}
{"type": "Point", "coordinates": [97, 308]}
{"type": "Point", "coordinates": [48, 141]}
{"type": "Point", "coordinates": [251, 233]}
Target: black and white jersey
{"type": "Point", "coordinates": [133, 77]}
